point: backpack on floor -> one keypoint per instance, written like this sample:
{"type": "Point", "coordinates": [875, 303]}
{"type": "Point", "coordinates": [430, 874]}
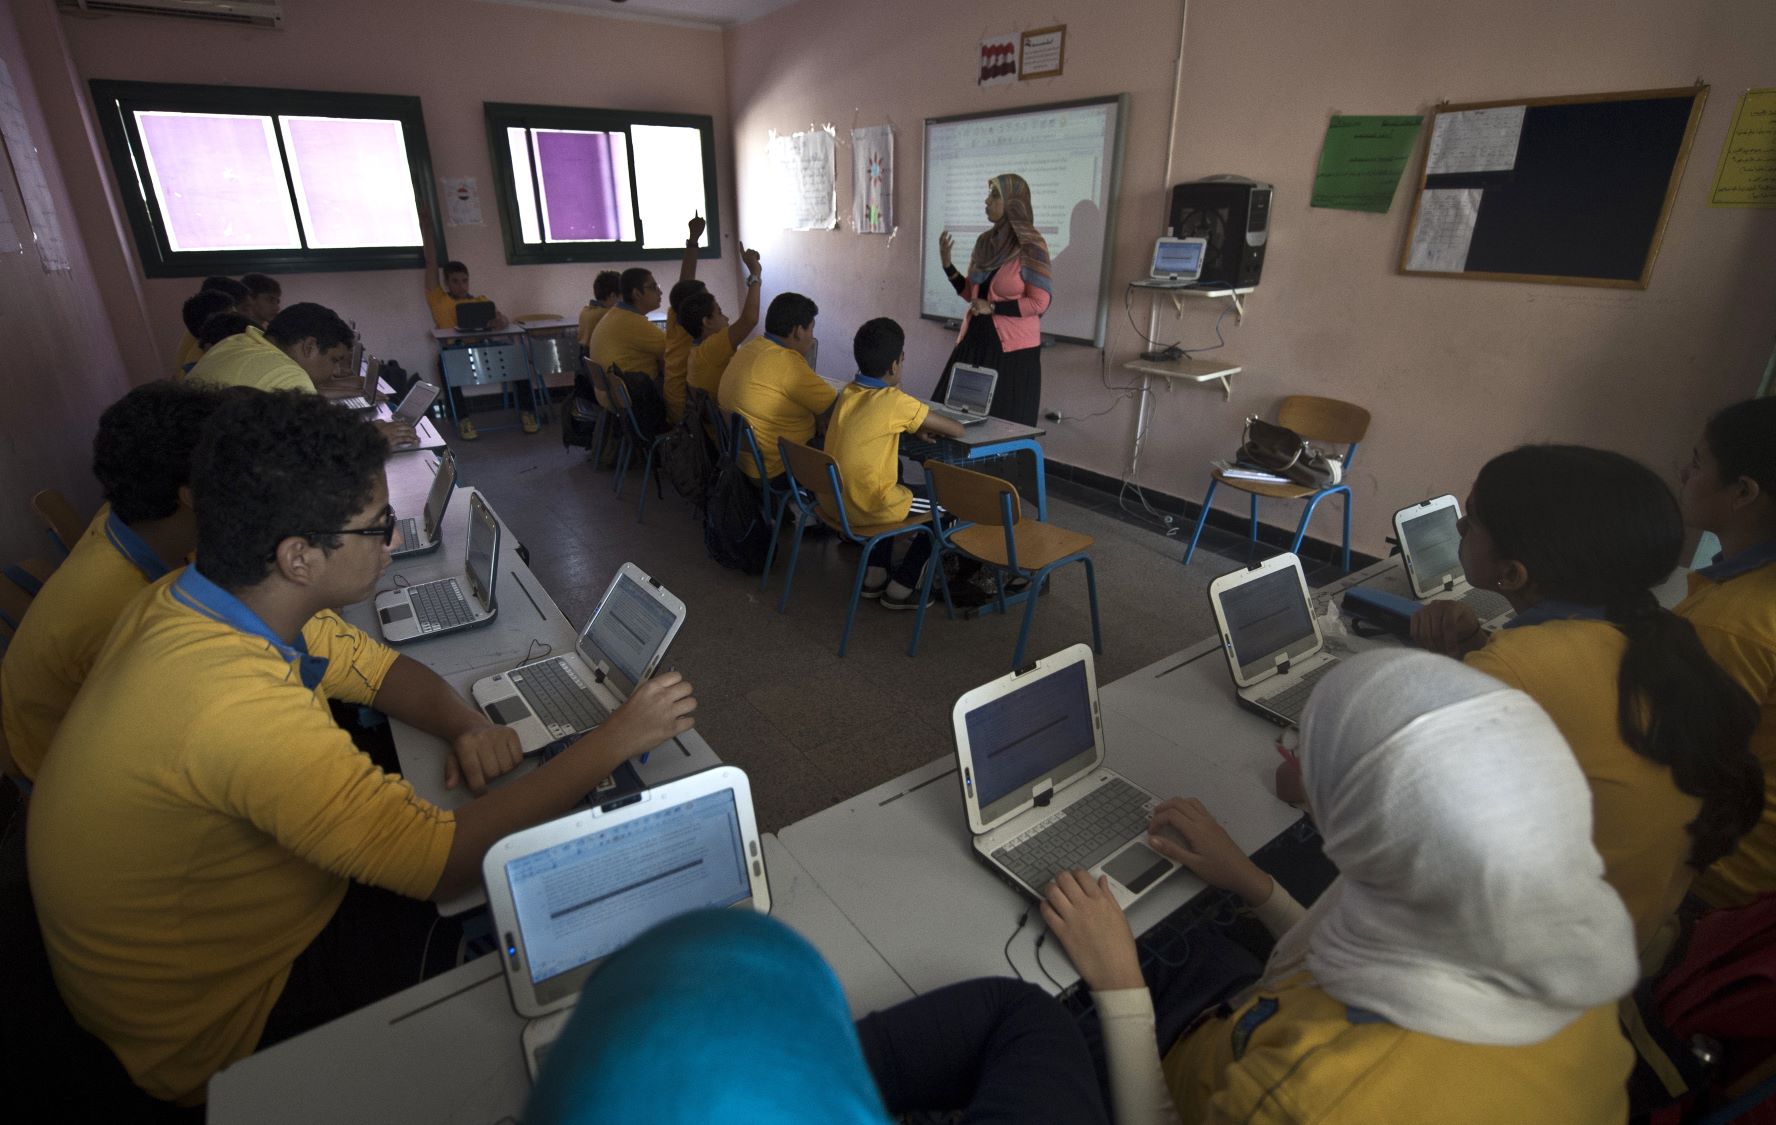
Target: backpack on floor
{"type": "Point", "coordinates": [579, 421]}
{"type": "Point", "coordinates": [687, 458]}
{"type": "Point", "coordinates": [646, 401]}
{"type": "Point", "coordinates": [734, 529]}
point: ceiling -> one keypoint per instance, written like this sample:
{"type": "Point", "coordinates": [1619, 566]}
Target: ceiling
{"type": "Point", "coordinates": [714, 13]}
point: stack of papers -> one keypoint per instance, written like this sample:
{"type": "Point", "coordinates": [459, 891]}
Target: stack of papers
{"type": "Point", "coordinates": [1244, 472]}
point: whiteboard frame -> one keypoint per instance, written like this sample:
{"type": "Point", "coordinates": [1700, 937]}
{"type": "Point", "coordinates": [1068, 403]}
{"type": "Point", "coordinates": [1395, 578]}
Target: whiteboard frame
{"type": "Point", "coordinates": [1112, 204]}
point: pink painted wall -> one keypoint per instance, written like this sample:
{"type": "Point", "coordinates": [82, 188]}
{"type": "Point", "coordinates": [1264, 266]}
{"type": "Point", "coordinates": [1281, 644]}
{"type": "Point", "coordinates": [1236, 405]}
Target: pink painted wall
{"type": "Point", "coordinates": [1453, 370]}
{"type": "Point", "coordinates": [454, 55]}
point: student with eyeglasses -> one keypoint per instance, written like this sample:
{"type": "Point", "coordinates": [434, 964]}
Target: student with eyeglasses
{"type": "Point", "coordinates": [215, 865]}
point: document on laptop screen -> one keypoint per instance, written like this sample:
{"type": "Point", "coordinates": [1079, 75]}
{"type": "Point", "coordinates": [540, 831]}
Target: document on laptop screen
{"type": "Point", "coordinates": [1266, 616]}
{"type": "Point", "coordinates": [970, 390]}
{"type": "Point", "coordinates": [587, 898]}
{"type": "Point", "coordinates": [1435, 544]}
{"type": "Point", "coordinates": [1022, 737]}
{"type": "Point", "coordinates": [628, 628]}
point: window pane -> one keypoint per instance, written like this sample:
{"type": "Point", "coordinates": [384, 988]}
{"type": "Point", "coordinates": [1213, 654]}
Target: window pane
{"type": "Point", "coordinates": [584, 197]}
{"type": "Point", "coordinates": [219, 181]}
{"type": "Point", "coordinates": [352, 181]}
{"type": "Point", "coordinates": [669, 179]}
{"type": "Point", "coordinates": [518, 145]}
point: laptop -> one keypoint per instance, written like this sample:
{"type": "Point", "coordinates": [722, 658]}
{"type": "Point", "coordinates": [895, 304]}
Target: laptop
{"type": "Point", "coordinates": [472, 316]}
{"type": "Point", "coordinates": [412, 407]}
{"type": "Point", "coordinates": [970, 394]}
{"type": "Point", "coordinates": [1273, 642]}
{"type": "Point", "coordinates": [423, 538]}
{"type": "Point", "coordinates": [563, 696]}
{"type": "Point", "coordinates": [567, 894]}
{"type": "Point", "coordinates": [1030, 755]}
{"type": "Point", "coordinates": [369, 370]}
{"type": "Point", "coordinates": [1177, 262]}
{"type": "Point", "coordinates": [1430, 546]}
{"type": "Point", "coordinates": [432, 609]}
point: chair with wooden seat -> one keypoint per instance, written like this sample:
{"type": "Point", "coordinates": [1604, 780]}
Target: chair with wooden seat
{"type": "Point", "coordinates": [992, 530]}
{"type": "Point", "coordinates": [634, 438]}
{"type": "Point", "coordinates": [595, 375]}
{"type": "Point", "coordinates": [1316, 419]}
{"type": "Point", "coordinates": [64, 524]}
{"type": "Point", "coordinates": [817, 493]}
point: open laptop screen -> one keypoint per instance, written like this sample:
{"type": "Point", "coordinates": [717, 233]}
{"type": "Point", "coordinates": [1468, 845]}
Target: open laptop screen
{"type": "Point", "coordinates": [583, 900]}
{"type": "Point", "coordinates": [1027, 735]}
{"type": "Point", "coordinates": [1177, 257]}
{"type": "Point", "coordinates": [629, 628]}
{"type": "Point", "coordinates": [1434, 545]}
{"type": "Point", "coordinates": [483, 541]}
{"type": "Point", "coordinates": [1266, 616]}
{"type": "Point", "coordinates": [443, 481]}
{"type": "Point", "coordinates": [970, 390]}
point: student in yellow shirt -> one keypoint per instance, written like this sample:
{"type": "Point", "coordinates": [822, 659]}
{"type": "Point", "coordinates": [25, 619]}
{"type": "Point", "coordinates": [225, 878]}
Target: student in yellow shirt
{"type": "Point", "coordinates": [195, 312]}
{"type": "Point", "coordinates": [702, 317]}
{"type": "Point", "coordinates": [255, 873]}
{"type": "Point", "coordinates": [442, 300]}
{"type": "Point", "coordinates": [626, 340]}
{"type": "Point", "coordinates": [676, 358]}
{"type": "Point", "coordinates": [604, 297]}
{"type": "Point", "coordinates": [868, 419]}
{"type": "Point", "coordinates": [1575, 539]}
{"type": "Point", "coordinates": [265, 297]}
{"type": "Point", "coordinates": [142, 459]}
{"type": "Point", "coordinates": [1729, 488]}
{"type": "Point", "coordinates": [1463, 967]}
{"type": "Point", "coordinates": [770, 383]}
{"type": "Point", "coordinates": [220, 327]}
{"type": "Point", "coordinates": [306, 347]}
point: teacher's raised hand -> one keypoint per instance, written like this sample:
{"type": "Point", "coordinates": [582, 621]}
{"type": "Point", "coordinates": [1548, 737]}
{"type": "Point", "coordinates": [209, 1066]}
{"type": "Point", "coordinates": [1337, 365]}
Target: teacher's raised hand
{"type": "Point", "coordinates": [945, 244]}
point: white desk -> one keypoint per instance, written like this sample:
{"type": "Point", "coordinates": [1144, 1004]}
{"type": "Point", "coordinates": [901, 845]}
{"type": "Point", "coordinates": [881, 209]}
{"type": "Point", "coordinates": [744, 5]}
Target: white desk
{"type": "Point", "coordinates": [447, 1051]}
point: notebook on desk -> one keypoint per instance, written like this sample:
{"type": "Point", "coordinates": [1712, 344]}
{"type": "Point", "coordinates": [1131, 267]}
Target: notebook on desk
{"type": "Point", "coordinates": [1429, 534]}
{"type": "Point", "coordinates": [1275, 650]}
{"type": "Point", "coordinates": [970, 395]}
{"type": "Point", "coordinates": [472, 316]}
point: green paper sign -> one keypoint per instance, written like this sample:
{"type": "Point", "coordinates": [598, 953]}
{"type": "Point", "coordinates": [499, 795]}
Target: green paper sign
{"type": "Point", "coordinates": [1361, 164]}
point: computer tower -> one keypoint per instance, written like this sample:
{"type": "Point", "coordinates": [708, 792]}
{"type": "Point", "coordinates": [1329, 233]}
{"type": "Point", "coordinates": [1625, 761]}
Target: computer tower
{"type": "Point", "coordinates": [1233, 214]}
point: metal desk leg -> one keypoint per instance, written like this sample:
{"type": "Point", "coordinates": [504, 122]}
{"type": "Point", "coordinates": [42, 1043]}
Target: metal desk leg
{"type": "Point", "coordinates": [1000, 449]}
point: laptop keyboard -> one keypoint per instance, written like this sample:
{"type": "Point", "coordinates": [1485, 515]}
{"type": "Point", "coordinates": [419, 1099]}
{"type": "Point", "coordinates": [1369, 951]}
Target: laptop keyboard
{"type": "Point", "coordinates": [439, 605]}
{"type": "Point", "coordinates": [409, 532]}
{"type": "Point", "coordinates": [356, 402]}
{"type": "Point", "coordinates": [1289, 702]}
{"type": "Point", "coordinates": [1485, 604]}
{"type": "Point", "coordinates": [955, 415]}
{"type": "Point", "coordinates": [1080, 835]}
{"type": "Point", "coordinates": [558, 697]}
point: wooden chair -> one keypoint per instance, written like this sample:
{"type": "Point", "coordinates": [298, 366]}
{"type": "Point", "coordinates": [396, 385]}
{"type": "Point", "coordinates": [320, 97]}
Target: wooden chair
{"type": "Point", "coordinates": [993, 531]}
{"type": "Point", "coordinates": [64, 524]}
{"type": "Point", "coordinates": [1316, 419]}
{"type": "Point", "coordinates": [596, 375]}
{"type": "Point", "coordinates": [817, 493]}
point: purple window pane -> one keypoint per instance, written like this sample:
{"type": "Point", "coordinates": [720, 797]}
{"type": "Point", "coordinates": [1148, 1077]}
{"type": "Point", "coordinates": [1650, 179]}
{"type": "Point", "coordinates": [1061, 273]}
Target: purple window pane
{"type": "Point", "coordinates": [352, 181]}
{"type": "Point", "coordinates": [579, 186]}
{"type": "Point", "coordinates": [219, 181]}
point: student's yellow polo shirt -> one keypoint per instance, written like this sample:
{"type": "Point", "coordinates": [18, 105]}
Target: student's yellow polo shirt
{"type": "Point", "coordinates": [778, 393]}
{"type": "Point", "coordinates": [675, 366]}
{"type": "Point", "coordinates": [198, 820]}
{"type": "Point", "coordinates": [1733, 607]}
{"type": "Point", "coordinates": [1639, 816]}
{"type": "Point", "coordinates": [60, 638]}
{"type": "Point", "coordinates": [708, 361]}
{"type": "Point", "coordinates": [248, 359]}
{"type": "Point", "coordinates": [589, 318]}
{"type": "Point", "coordinates": [188, 354]}
{"type": "Point", "coordinates": [1294, 1054]}
{"type": "Point", "coordinates": [628, 341]}
{"type": "Point", "coordinates": [443, 306]}
{"type": "Point", "coordinates": [864, 438]}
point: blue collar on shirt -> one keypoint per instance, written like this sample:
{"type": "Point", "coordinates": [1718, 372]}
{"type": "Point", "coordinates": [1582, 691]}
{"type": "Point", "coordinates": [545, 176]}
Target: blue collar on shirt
{"type": "Point", "coordinates": [627, 307]}
{"type": "Point", "coordinates": [1552, 610]}
{"type": "Point", "coordinates": [863, 380]}
{"type": "Point", "coordinates": [1754, 556]}
{"type": "Point", "coordinates": [131, 547]}
{"type": "Point", "coordinates": [194, 591]}
{"type": "Point", "coordinates": [775, 339]}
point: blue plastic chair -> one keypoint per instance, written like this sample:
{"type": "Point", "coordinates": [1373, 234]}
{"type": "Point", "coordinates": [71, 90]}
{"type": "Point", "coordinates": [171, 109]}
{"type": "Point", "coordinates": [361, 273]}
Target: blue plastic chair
{"type": "Point", "coordinates": [743, 443]}
{"type": "Point", "coordinates": [633, 439]}
{"type": "Point", "coordinates": [1315, 419]}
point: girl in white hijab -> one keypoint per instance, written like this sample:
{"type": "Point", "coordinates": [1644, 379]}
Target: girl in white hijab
{"type": "Point", "coordinates": [1463, 967]}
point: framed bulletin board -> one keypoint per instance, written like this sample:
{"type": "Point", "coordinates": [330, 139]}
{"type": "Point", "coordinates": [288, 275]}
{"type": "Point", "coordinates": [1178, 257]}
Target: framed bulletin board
{"type": "Point", "coordinates": [1569, 191]}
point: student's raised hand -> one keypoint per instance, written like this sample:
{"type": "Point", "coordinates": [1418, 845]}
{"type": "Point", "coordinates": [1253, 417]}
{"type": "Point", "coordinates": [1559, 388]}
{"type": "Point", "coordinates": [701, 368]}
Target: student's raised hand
{"type": "Point", "coordinates": [946, 244]}
{"type": "Point", "coordinates": [1448, 627]}
{"type": "Point", "coordinates": [1083, 915]}
{"type": "Point", "coordinates": [1183, 831]}
{"type": "Point", "coordinates": [396, 432]}
{"type": "Point", "coordinates": [749, 259]}
{"type": "Point", "coordinates": [696, 227]}
{"type": "Point", "coordinates": [658, 710]}
{"type": "Point", "coordinates": [480, 754]}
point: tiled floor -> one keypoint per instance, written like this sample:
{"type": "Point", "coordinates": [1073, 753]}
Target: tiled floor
{"type": "Point", "coordinates": [773, 695]}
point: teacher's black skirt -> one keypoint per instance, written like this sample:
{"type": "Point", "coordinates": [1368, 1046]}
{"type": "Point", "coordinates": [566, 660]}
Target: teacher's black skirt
{"type": "Point", "coordinates": [1018, 395]}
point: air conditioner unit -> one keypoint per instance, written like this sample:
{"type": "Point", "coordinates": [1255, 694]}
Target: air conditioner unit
{"type": "Point", "coordinates": [259, 13]}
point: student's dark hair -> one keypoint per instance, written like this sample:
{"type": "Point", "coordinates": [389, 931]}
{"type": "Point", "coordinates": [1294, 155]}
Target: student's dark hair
{"type": "Point", "coordinates": [632, 281]}
{"type": "Point", "coordinates": [259, 283]}
{"type": "Point", "coordinates": [220, 326]}
{"type": "Point", "coordinates": [235, 290]}
{"type": "Point", "coordinates": [305, 320]}
{"type": "Point", "coordinates": [877, 345]}
{"type": "Point", "coordinates": [695, 311]}
{"type": "Point", "coordinates": [681, 290]}
{"type": "Point", "coordinates": [454, 266]}
{"type": "Point", "coordinates": [1742, 438]}
{"type": "Point", "coordinates": [788, 312]}
{"type": "Point", "coordinates": [608, 283]}
{"type": "Point", "coordinates": [272, 465]}
{"type": "Point", "coordinates": [201, 306]}
{"type": "Point", "coordinates": [142, 452]}
{"type": "Point", "coordinates": [1599, 529]}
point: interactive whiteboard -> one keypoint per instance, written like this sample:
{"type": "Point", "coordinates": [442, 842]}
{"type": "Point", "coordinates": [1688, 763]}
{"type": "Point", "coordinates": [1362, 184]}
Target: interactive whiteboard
{"type": "Point", "coordinates": [1071, 155]}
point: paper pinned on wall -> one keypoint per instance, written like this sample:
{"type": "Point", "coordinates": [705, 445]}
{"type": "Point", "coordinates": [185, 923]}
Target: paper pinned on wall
{"type": "Point", "coordinates": [462, 202]}
{"type": "Point", "coordinates": [1361, 162]}
{"type": "Point", "coordinates": [27, 170]}
{"type": "Point", "coordinates": [807, 177]}
{"type": "Point", "coordinates": [872, 179]}
{"type": "Point", "coordinates": [1747, 173]}
{"type": "Point", "coordinates": [998, 60]}
{"type": "Point", "coordinates": [1476, 140]}
{"type": "Point", "coordinates": [1042, 52]}
{"type": "Point", "coordinates": [1445, 229]}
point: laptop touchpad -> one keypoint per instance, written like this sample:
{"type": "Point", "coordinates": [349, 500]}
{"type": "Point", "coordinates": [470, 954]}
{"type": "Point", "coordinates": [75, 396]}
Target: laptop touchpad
{"type": "Point", "coordinates": [1137, 867]}
{"type": "Point", "coordinates": [396, 613]}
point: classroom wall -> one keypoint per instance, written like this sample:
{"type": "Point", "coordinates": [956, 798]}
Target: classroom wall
{"type": "Point", "coordinates": [454, 55]}
{"type": "Point", "coordinates": [1453, 370]}
{"type": "Point", "coordinates": [59, 356]}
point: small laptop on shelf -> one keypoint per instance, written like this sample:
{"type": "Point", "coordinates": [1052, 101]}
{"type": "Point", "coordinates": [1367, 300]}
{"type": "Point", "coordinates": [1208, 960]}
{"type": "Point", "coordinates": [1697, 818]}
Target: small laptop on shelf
{"type": "Point", "coordinates": [423, 538]}
{"type": "Point", "coordinates": [567, 894]}
{"type": "Point", "coordinates": [433, 609]}
{"type": "Point", "coordinates": [563, 696]}
{"type": "Point", "coordinates": [1030, 756]}
{"type": "Point", "coordinates": [1430, 546]}
{"type": "Point", "coordinates": [970, 395]}
{"type": "Point", "coordinates": [1177, 263]}
{"type": "Point", "coordinates": [1274, 646]}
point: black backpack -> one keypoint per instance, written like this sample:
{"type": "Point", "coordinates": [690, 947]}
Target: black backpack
{"type": "Point", "coordinates": [647, 402]}
{"type": "Point", "coordinates": [687, 458]}
{"type": "Point", "coordinates": [735, 531]}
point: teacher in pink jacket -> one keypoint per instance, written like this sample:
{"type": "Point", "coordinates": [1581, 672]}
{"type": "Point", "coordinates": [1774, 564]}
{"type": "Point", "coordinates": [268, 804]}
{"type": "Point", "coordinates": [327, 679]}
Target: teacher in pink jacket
{"type": "Point", "coordinates": [1007, 289]}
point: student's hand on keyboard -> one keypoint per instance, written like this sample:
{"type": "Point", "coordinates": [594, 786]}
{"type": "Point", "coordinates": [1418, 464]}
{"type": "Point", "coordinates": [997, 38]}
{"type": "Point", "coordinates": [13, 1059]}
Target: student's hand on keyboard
{"type": "Point", "coordinates": [1448, 627]}
{"type": "Point", "coordinates": [1082, 914]}
{"type": "Point", "coordinates": [480, 754]}
{"type": "Point", "coordinates": [1183, 831]}
{"type": "Point", "coordinates": [396, 432]}
{"type": "Point", "coordinates": [659, 710]}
